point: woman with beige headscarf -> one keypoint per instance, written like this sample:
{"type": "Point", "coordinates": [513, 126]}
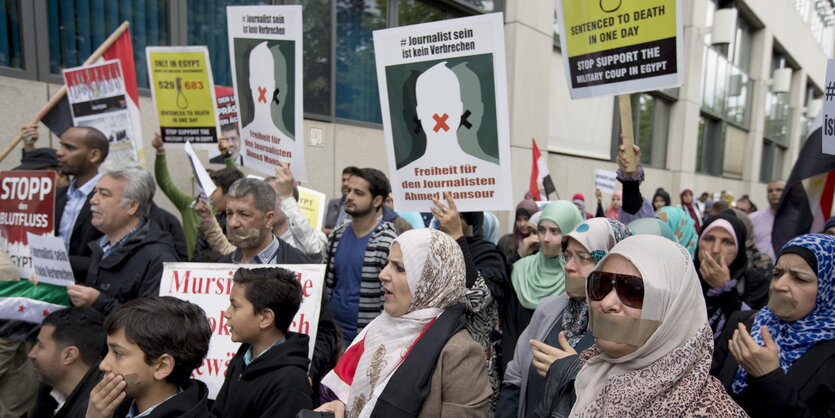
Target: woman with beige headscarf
{"type": "Point", "coordinates": [653, 343]}
{"type": "Point", "coordinates": [416, 358]}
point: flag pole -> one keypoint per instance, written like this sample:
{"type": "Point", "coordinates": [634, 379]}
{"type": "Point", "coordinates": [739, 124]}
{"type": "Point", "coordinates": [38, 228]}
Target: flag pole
{"type": "Point", "coordinates": [63, 90]}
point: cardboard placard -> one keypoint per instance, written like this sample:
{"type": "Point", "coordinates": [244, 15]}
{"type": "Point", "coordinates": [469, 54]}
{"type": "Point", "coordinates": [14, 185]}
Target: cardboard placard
{"type": "Point", "coordinates": [265, 44]}
{"type": "Point", "coordinates": [183, 91]}
{"type": "Point", "coordinates": [615, 47]}
{"type": "Point", "coordinates": [443, 94]}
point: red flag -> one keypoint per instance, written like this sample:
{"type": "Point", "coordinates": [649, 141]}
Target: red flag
{"type": "Point", "coordinates": [541, 183]}
{"type": "Point", "coordinates": [122, 50]}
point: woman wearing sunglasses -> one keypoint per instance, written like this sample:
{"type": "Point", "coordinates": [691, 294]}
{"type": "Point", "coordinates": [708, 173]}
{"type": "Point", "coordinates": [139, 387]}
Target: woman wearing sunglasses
{"type": "Point", "coordinates": [558, 327]}
{"type": "Point", "coordinates": [653, 343]}
{"type": "Point", "coordinates": [785, 367]}
{"type": "Point", "coordinates": [539, 275]}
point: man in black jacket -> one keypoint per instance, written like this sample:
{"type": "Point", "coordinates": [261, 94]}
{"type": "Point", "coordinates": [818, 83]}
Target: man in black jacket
{"type": "Point", "coordinates": [66, 357]}
{"type": "Point", "coordinates": [82, 151]}
{"type": "Point", "coordinates": [127, 261]}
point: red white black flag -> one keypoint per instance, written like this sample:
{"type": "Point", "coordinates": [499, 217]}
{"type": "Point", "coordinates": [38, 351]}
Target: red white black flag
{"type": "Point", "coordinates": [541, 184]}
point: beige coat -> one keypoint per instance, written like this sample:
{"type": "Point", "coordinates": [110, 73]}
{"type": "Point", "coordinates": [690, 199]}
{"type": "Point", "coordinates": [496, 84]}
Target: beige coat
{"type": "Point", "coordinates": [460, 387]}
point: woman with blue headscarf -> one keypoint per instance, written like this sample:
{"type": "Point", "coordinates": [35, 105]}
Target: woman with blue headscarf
{"type": "Point", "coordinates": [785, 367]}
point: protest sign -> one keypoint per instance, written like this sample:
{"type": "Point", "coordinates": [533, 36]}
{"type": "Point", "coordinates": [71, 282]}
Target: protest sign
{"type": "Point", "coordinates": [209, 286]}
{"type": "Point", "coordinates": [829, 110]}
{"type": "Point", "coordinates": [204, 182]}
{"type": "Point", "coordinates": [312, 204]}
{"type": "Point", "coordinates": [605, 180]}
{"type": "Point", "coordinates": [230, 132]}
{"type": "Point", "coordinates": [27, 205]}
{"type": "Point", "coordinates": [183, 91]}
{"type": "Point", "coordinates": [50, 259]}
{"type": "Point", "coordinates": [97, 98]}
{"type": "Point", "coordinates": [621, 46]}
{"type": "Point", "coordinates": [443, 92]}
{"type": "Point", "coordinates": [265, 44]}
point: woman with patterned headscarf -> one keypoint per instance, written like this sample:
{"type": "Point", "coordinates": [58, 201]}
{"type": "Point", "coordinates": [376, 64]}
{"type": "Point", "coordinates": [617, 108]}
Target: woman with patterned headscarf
{"type": "Point", "coordinates": [653, 345]}
{"type": "Point", "coordinates": [785, 367]}
{"type": "Point", "coordinates": [416, 358]}
{"type": "Point", "coordinates": [537, 276]}
{"type": "Point", "coordinates": [558, 327]}
{"type": "Point", "coordinates": [682, 225]}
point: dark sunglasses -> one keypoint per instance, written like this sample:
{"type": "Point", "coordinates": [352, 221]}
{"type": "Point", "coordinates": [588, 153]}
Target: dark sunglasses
{"type": "Point", "coordinates": [630, 289]}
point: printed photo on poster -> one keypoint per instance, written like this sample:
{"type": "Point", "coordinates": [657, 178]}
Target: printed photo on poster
{"type": "Point", "coordinates": [443, 92]}
{"type": "Point", "coordinates": [97, 98]}
{"type": "Point", "coordinates": [265, 49]}
{"type": "Point", "coordinates": [230, 131]}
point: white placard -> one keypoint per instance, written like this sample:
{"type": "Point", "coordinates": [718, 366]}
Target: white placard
{"type": "Point", "coordinates": [265, 44]}
{"type": "Point", "coordinates": [443, 94]}
{"type": "Point", "coordinates": [605, 180]}
{"type": "Point", "coordinates": [207, 186]}
{"type": "Point", "coordinates": [50, 260]}
{"type": "Point", "coordinates": [209, 285]}
{"type": "Point", "coordinates": [829, 110]}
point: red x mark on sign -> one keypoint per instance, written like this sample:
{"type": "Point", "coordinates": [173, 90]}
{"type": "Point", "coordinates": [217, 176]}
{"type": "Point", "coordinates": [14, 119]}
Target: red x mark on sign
{"type": "Point", "coordinates": [262, 98]}
{"type": "Point", "coordinates": [440, 122]}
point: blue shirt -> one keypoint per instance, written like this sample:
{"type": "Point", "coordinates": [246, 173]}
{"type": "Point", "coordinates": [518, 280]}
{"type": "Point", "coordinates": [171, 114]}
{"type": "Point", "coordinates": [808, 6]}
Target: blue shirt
{"type": "Point", "coordinates": [76, 196]}
{"type": "Point", "coordinates": [248, 354]}
{"type": "Point", "coordinates": [347, 269]}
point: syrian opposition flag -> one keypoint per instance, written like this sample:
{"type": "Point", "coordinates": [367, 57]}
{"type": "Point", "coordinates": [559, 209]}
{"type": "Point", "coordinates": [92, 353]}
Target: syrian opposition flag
{"type": "Point", "coordinates": [23, 305]}
{"type": "Point", "coordinates": [541, 184]}
{"type": "Point", "coordinates": [807, 200]}
{"type": "Point", "coordinates": [59, 118]}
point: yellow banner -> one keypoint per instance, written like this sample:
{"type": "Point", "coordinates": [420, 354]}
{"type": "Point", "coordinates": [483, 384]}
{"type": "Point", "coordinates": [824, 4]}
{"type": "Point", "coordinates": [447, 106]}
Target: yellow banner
{"type": "Point", "coordinates": [312, 204]}
{"type": "Point", "coordinates": [600, 25]}
{"type": "Point", "coordinates": [183, 90]}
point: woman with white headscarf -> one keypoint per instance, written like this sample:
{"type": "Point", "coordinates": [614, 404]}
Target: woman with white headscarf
{"type": "Point", "coordinates": [416, 358]}
{"type": "Point", "coordinates": [559, 324]}
{"type": "Point", "coordinates": [653, 343]}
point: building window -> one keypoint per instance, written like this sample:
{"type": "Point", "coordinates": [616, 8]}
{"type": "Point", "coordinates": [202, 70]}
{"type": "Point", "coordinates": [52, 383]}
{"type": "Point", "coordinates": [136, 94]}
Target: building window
{"type": "Point", "coordinates": [776, 132]}
{"type": "Point", "coordinates": [76, 29]}
{"type": "Point", "coordinates": [710, 147]}
{"type": "Point", "coordinates": [650, 123]}
{"type": "Point", "coordinates": [10, 47]}
{"type": "Point", "coordinates": [771, 165]}
{"type": "Point", "coordinates": [206, 23]}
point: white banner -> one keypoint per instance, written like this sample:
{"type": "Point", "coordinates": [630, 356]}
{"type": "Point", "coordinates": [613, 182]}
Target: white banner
{"type": "Point", "coordinates": [204, 182]}
{"type": "Point", "coordinates": [829, 110]}
{"type": "Point", "coordinates": [605, 180]}
{"type": "Point", "coordinates": [443, 94]}
{"type": "Point", "coordinates": [266, 53]}
{"type": "Point", "coordinates": [209, 285]}
{"type": "Point", "coordinates": [50, 260]}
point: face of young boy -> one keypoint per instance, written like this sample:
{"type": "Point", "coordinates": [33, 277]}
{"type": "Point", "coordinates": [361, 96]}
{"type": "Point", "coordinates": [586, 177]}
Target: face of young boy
{"type": "Point", "coordinates": [126, 359]}
{"type": "Point", "coordinates": [240, 316]}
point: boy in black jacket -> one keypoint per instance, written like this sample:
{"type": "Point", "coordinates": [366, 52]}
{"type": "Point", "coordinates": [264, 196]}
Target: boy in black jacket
{"type": "Point", "coordinates": [268, 375]}
{"type": "Point", "coordinates": [154, 344]}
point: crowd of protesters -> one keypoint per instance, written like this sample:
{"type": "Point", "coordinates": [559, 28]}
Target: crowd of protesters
{"type": "Point", "coordinates": [648, 307]}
